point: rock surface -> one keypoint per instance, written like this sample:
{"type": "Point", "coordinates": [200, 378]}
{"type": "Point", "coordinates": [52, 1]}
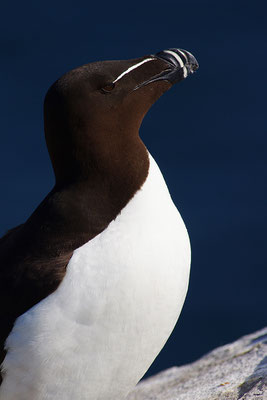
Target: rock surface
{"type": "Point", "coordinates": [236, 371]}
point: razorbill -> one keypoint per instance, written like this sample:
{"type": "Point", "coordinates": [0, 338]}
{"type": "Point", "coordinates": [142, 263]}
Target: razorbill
{"type": "Point", "coordinates": [92, 284]}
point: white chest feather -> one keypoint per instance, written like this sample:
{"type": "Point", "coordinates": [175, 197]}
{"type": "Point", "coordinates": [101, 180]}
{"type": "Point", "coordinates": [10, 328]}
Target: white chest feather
{"type": "Point", "coordinates": [95, 337]}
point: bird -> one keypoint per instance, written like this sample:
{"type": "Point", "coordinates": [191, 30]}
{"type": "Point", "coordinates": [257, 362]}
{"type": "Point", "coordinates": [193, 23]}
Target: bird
{"type": "Point", "coordinates": [92, 284]}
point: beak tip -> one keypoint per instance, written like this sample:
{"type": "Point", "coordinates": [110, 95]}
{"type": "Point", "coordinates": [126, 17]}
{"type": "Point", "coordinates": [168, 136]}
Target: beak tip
{"type": "Point", "coordinates": [179, 58]}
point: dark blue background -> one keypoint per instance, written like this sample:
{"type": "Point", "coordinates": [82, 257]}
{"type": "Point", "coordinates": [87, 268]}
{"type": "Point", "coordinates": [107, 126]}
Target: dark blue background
{"type": "Point", "coordinates": [208, 134]}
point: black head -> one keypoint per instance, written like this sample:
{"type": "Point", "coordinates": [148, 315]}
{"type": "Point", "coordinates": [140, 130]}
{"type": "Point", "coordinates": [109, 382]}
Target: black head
{"type": "Point", "coordinates": [93, 113]}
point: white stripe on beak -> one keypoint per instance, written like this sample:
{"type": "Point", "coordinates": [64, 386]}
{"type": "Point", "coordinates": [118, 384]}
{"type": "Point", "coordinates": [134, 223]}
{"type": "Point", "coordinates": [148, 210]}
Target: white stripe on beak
{"type": "Point", "coordinates": [183, 53]}
{"type": "Point", "coordinates": [180, 61]}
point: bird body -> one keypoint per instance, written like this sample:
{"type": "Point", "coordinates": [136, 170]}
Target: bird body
{"type": "Point", "coordinates": [92, 284]}
{"type": "Point", "coordinates": [111, 315]}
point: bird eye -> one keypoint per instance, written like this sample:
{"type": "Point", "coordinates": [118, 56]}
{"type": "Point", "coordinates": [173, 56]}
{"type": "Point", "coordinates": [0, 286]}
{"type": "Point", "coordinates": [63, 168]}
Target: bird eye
{"type": "Point", "coordinates": [108, 88]}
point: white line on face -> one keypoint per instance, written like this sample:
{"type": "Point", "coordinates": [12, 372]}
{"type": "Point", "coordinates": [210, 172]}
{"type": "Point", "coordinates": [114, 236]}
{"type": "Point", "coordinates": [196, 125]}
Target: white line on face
{"type": "Point", "coordinates": [185, 72]}
{"type": "Point", "coordinates": [180, 61]}
{"type": "Point", "coordinates": [133, 67]}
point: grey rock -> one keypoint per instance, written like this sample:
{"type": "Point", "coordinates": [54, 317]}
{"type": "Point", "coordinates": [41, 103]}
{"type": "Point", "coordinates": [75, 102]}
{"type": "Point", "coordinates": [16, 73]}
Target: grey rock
{"type": "Point", "coordinates": [236, 371]}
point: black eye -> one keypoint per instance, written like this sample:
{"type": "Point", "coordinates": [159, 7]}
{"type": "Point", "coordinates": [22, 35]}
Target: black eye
{"type": "Point", "coordinates": [108, 88]}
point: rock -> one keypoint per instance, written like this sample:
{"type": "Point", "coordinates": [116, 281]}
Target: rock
{"type": "Point", "coordinates": [236, 371]}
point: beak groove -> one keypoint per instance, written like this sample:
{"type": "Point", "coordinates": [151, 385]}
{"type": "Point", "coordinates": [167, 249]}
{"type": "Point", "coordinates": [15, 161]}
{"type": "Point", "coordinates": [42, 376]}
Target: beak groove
{"type": "Point", "coordinates": [181, 63]}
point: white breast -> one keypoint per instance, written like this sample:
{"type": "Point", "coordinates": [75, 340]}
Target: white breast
{"type": "Point", "coordinates": [95, 337]}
